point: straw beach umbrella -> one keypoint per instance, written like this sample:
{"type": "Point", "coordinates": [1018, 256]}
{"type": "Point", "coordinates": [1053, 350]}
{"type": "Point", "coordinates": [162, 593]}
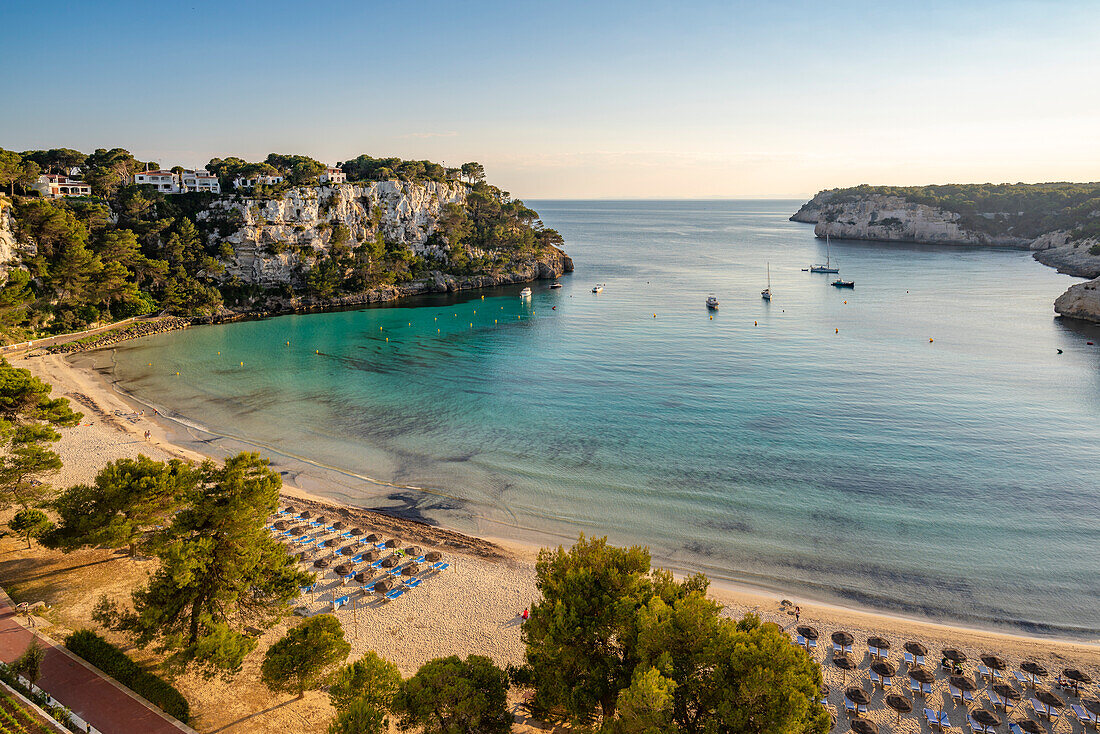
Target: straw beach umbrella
{"type": "Point", "coordinates": [808, 632]}
{"type": "Point", "coordinates": [342, 570]}
{"type": "Point", "coordinates": [356, 532]}
{"type": "Point", "coordinates": [857, 695]}
{"type": "Point", "coordinates": [373, 538]}
{"type": "Point", "coordinates": [843, 638]}
{"type": "Point", "coordinates": [391, 543]}
{"type": "Point", "coordinates": [884, 668]}
{"type": "Point", "coordinates": [1093, 706]}
{"type": "Point", "coordinates": [962, 683]}
{"type": "Point", "coordinates": [900, 704]}
{"type": "Point", "coordinates": [389, 562]}
{"type": "Point", "coordinates": [1006, 692]}
{"type": "Point", "coordinates": [986, 718]}
{"type": "Point", "coordinates": [993, 662]}
{"type": "Point", "coordinates": [362, 577]}
{"type": "Point", "coordinates": [331, 542]}
{"type": "Point", "coordinates": [864, 726]}
{"type": "Point", "coordinates": [1077, 677]}
{"type": "Point", "coordinates": [280, 525]}
{"type": "Point", "coordinates": [845, 664]}
{"type": "Point", "coordinates": [955, 656]}
{"type": "Point", "coordinates": [372, 555]}
{"type": "Point", "coordinates": [306, 515]}
{"type": "Point", "coordinates": [433, 556]}
{"type": "Point", "coordinates": [338, 525]}
{"type": "Point", "coordinates": [323, 520]}
{"type": "Point", "coordinates": [321, 563]}
{"type": "Point", "coordinates": [1049, 698]}
{"type": "Point", "coordinates": [414, 551]}
{"type": "Point", "coordinates": [880, 642]}
{"type": "Point", "coordinates": [915, 648]}
{"type": "Point", "coordinates": [411, 570]}
{"type": "Point", "coordinates": [1030, 726]}
{"type": "Point", "coordinates": [383, 586]}
{"type": "Point", "coordinates": [922, 675]}
{"type": "Point", "coordinates": [1029, 666]}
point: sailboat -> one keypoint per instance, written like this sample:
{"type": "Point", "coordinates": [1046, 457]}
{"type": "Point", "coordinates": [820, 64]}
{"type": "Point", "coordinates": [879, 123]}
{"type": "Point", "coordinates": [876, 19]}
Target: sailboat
{"type": "Point", "coordinates": [766, 294]}
{"type": "Point", "coordinates": [828, 266]}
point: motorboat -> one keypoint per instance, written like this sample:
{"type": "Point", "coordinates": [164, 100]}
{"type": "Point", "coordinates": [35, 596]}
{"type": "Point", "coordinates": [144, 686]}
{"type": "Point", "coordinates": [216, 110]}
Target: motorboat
{"type": "Point", "coordinates": [712, 302]}
{"type": "Point", "coordinates": [555, 284]}
{"type": "Point", "coordinates": [598, 288]}
{"type": "Point", "coordinates": [766, 294]}
{"type": "Point", "coordinates": [844, 283]}
{"type": "Point", "coordinates": [525, 293]}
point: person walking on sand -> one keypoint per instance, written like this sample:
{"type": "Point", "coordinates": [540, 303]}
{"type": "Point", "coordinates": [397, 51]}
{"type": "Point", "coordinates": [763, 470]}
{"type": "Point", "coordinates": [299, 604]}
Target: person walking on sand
{"type": "Point", "coordinates": [526, 614]}
{"type": "Point", "coordinates": [797, 613]}
{"type": "Point", "coordinates": [148, 435]}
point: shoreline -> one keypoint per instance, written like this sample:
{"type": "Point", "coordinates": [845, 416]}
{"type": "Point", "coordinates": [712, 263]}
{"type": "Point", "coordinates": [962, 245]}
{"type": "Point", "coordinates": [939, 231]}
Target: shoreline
{"type": "Point", "coordinates": [106, 403]}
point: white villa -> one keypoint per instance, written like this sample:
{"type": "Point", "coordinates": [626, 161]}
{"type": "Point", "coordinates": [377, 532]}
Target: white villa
{"type": "Point", "coordinates": [240, 182]}
{"type": "Point", "coordinates": [56, 186]}
{"type": "Point", "coordinates": [333, 176]}
{"type": "Point", "coordinates": [164, 181]}
{"type": "Point", "coordinates": [201, 180]}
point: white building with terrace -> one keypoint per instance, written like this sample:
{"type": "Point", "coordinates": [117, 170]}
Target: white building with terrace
{"type": "Point", "coordinates": [163, 181]}
{"type": "Point", "coordinates": [333, 176]}
{"type": "Point", "coordinates": [201, 180]}
{"type": "Point", "coordinates": [58, 186]}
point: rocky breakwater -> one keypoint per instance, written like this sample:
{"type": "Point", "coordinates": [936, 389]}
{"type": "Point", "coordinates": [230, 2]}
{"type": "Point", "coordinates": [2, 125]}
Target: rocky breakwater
{"type": "Point", "coordinates": [145, 327]}
{"type": "Point", "coordinates": [1081, 301]}
{"type": "Point", "coordinates": [276, 239]}
{"type": "Point", "coordinates": [892, 219]}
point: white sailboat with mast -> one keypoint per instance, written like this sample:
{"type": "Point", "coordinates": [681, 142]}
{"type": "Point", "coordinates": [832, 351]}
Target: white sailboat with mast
{"type": "Point", "coordinates": [766, 294]}
{"type": "Point", "coordinates": [828, 266]}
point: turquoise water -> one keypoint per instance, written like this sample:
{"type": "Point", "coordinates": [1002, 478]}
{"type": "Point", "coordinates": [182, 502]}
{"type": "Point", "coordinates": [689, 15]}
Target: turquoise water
{"type": "Point", "coordinates": [820, 443]}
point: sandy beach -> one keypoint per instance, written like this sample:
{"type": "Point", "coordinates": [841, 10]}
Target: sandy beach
{"type": "Point", "coordinates": [473, 606]}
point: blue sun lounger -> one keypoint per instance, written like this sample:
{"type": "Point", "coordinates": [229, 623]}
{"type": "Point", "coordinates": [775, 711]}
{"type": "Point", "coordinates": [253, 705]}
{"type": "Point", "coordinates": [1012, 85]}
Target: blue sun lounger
{"type": "Point", "coordinates": [330, 529]}
{"type": "Point", "coordinates": [337, 603]}
{"type": "Point", "coordinates": [346, 535]}
{"type": "Point", "coordinates": [311, 541]}
{"type": "Point", "coordinates": [376, 564]}
{"type": "Point", "coordinates": [395, 593]}
{"type": "Point", "coordinates": [441, 566]}
{"type": "Point", "coordinates": [412, 583]}
{"type": "Point", "coordinates": [357, 559]}
{"type": "Point", "coordinates": [395, 571]}
{"type": "Point", "coordinates": [307, 589]}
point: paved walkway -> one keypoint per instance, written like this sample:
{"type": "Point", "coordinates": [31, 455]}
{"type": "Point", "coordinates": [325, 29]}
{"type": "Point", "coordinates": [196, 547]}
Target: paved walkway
{"type": "Point", "coordinates": [88, 693]}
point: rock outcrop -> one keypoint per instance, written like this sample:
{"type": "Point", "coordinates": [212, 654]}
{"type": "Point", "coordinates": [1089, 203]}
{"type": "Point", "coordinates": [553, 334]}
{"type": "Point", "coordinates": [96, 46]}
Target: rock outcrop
{"type": "Point", "coordinates": [892, 219]}
{"type": "Point", "coordinates": [888, 218]}
{"type": "Point", "coordinates": [9, 251]}
{"type": "Point", "coordinates": [273, 239]}
{"type": "Point", "coordinates": [1081, 301]}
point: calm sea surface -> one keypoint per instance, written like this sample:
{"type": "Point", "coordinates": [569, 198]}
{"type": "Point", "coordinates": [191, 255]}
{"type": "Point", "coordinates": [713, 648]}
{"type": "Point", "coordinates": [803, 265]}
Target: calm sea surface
{"type": "Point", "coordinates": [822, 443]}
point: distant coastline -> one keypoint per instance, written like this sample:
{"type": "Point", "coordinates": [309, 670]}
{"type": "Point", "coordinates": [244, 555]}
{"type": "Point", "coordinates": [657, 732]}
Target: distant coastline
{"type": "Point", "coordinates": [1058, 223]}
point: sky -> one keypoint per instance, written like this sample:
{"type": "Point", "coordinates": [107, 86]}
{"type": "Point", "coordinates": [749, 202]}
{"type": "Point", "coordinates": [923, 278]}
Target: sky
{"type": "Point", "coordinates": [574, 99]}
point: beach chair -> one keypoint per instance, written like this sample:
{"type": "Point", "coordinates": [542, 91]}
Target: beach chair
{"type": "Point", "coordinates": [875, 678]}
{"type": "Point", "coordinates": [847, 649]}
{"type": "Point", "coordinates": [926, 689]}
{"type": "Point", "coordinates": [1022, 678]}
{"type": "Point", "coordinates": [395, 571]}
{"type": "Point", "coordinates": [985, 672]}
{"type": "Point", "coordinates": [945, 723]}
{"type": "Point", "coordinates": [377, 564]}
{"type": "Point", "coordinates": [811, 645]}
{"type": "Point", "coordinates": [1014, 728]}
{"type": "Point", "coordinates": [1041, 709]}
{"type": "Point", "coordinates": [914, 687]}
{"type": "Point", "coordinates": [852, 708]}
{"type": "Point", "coordinates": [412, 583]}
{"type": "Point", "coordinates": [976, 728]}
{"type": "Point", "coordinates": [801, 641]}
{"type": "Point", "coordinates": [960, 695]}
{"type": "Point", "coordinates": [357, 559]}
{"type": "Point", "coordinates": [395, 593]}
{"type": "Point", "coordinates": [1084, 717]}
{"type": "Point", "coordinates": [879, 652]}
{"type": "Point", "coordinates": [346, 535]}
{"type": "Point", "coordinates": [337, 603]}
{"type": "Point", "coordinates": [347, 577]}
{"type": "Point", "coordinates": [912, 659]}
{"type": "Point", "coordinates": [441, 566]}
{"type": "Point", "coordinates": [307, 589]}
{"type": "Point", "coordinates": [932, 718]}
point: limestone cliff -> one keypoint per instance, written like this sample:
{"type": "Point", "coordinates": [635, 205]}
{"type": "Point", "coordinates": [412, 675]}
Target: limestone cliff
{"type": "Point", "coordinates": [887, 218]}
{"type": "Point", "coordinates": [1081, 301]}
{"type": "Point", "coordinates": [9, 251]}
{"type": "Point", "coordinates": [277, 238]}
{"type": "Point", "coordinates": [892, 219]}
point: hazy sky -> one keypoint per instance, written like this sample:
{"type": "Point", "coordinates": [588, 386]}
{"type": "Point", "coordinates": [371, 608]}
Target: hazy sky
{"type": "Point", "coordinates": [574, 99]}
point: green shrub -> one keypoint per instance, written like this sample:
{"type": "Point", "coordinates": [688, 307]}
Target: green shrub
{"type": "Point", "coordinates": [118, 665]}
{"type": "Point", "coordinates": [1094, 250]}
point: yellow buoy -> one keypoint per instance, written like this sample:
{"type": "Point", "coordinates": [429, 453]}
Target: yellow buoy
{"type": "Point", "coordinates": [177, 373]}
{"type": "Point", "coordinates": [929, 340]}
{"type": "Point", "coordinates": [387, 338]}
{"type": "Point", "coordinates": [494, 321]}
{"type": "Point", "coordinates": [410, 323]}
{"type": "Point", "coordinates": [712, 318]}
{"type": "Point", "coordinates": [219, 352]}
{"type": "Point", "coordinates": [475, 310]}
{"type": "Point", "coordinates": [242, 364]}
{"type": "Point", "coordinates": [471, 323]}
{"type": "Point", "coordinates": [845, 303]}
{"type": "Point", "coordinates": [654, 315]}
{"type": "Point", "coordinates": [838, 331]}
{"type": "Point", "coordinates": [316, 351]}
{"type": "Point", "coordinates": [288, 343]}
{"type": "Point", "coordinates": [483, 298]}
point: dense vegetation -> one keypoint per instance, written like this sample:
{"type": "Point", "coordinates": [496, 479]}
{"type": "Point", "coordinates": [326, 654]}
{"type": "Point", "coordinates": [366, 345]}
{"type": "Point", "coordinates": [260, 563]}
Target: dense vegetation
{"type": "Point", "coordinates": [130, 250]}
{"type": "Point", "coordinates": [1022, 210]}
{"type": "Point", "coordinates": [115, 663]}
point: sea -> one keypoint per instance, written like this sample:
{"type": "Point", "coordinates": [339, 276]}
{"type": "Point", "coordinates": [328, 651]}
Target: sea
{"type": "Point", "coordinates": [925, 443]}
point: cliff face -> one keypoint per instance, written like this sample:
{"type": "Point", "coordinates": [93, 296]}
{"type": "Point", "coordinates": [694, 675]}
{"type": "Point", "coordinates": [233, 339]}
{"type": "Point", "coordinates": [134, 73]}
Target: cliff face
{"type": "Point", "coordinates": [1081, 301]}
{"type": "Point", "coordinates": [273, 234]}
{"type": "Point", "coordinates": [9, 251]}
{"type": "Point", "coordinates": [892, 219]}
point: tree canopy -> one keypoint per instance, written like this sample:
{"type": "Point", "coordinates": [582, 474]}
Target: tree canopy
{"type": "Point", "coordinates": [220, 570]}
{"type": "Point", "coordinates": [296, 663]}
{"type": "Point", "coordinates": [29, 418]}
{"type": "Point", "coordinates": [455, 696]}
{"type": "Point", "coordinates": [615, 643]}
{"type": "Point", "coordinates": [128, 499]}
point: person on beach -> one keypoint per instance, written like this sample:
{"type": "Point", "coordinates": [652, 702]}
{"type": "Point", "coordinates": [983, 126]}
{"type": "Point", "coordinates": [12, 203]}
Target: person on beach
{"type": "Point", "coordinates": [525, 614]}
{"type": "Point", "coordinates": [148, 435]}
{"type": "Point", "coordinates": [797, 613]}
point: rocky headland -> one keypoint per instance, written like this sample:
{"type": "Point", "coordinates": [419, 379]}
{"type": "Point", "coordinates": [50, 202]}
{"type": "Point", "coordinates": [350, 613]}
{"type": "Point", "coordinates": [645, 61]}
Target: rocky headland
{"type": "Point", "coordinates": [890, 215]}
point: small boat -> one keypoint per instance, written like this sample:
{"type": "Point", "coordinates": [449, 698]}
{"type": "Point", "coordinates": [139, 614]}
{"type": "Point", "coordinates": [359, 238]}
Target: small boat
{"type": "Point", "coordinates": [555, 284]}
{"type": "Point", "coordinates": [828, 266]}
{"type": "Point", "coordinates": [844, 283]}
{"type": "Point", "coordinates": [525, 293]}
{"type": "Point", "coordinates": [712, 302]}
{"type": "Point", "coordinates": [598, 288]}
{"type": "Point", "coordinates": [766, 294]}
